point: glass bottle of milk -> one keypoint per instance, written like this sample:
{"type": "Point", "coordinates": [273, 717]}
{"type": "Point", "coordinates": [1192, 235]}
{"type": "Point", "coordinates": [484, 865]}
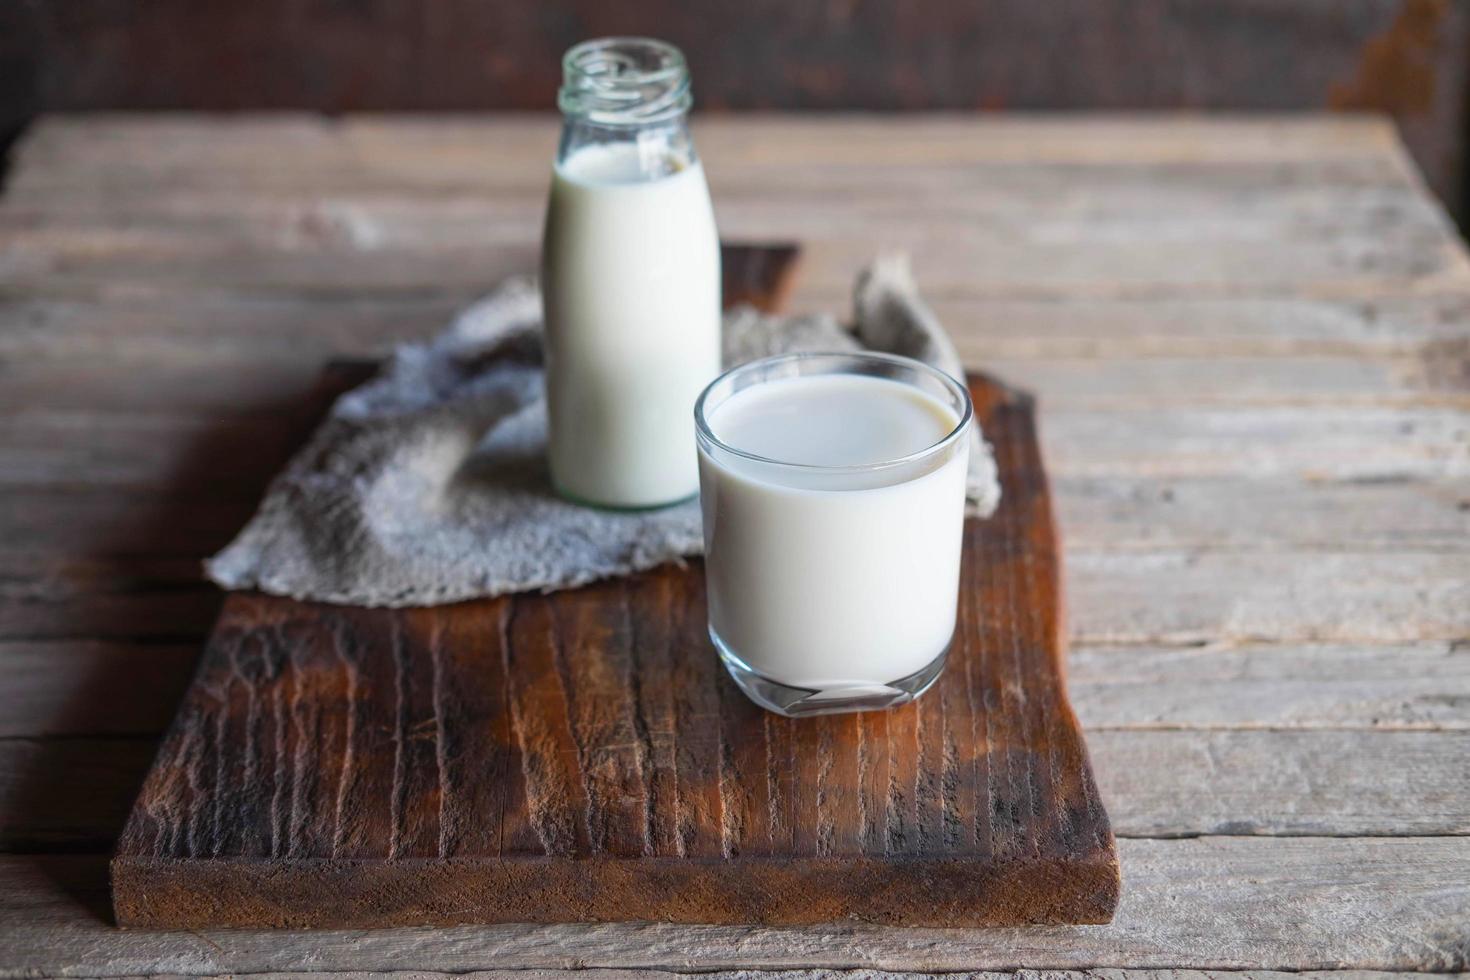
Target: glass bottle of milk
{"type": "Point", "coordinates": [630, 279]}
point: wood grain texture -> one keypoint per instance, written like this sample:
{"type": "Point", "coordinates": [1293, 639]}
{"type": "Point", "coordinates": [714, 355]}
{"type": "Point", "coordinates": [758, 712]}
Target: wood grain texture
{"type": "Point", "coordinates": [603, 973]}
{"type": "Point", "coordinates": [1102, 974]}
{"type": "Point", "coordinates": [1192, 209]}
{"type": "Point", "coordinates": [179, 329]}
{"type": "Point", "coordinates": [1169, 597]}
{"type": "Point", "coordinates": [1398, 56]}
{"type": "Point", "coordinates": [581, 756]}
{"type": "Point", "coordinates": [68, 689]}
{"type": "Point", "coordinates": [1158, 783]}
{"type": "Point", "coordinates": [1270, 549]}
{"type": "Point", "coordinates": [1295, 903]}
{"type": "Point", "coordinates": [1272, 687]}
{"type": "Point", "coordinates": [157, 452]}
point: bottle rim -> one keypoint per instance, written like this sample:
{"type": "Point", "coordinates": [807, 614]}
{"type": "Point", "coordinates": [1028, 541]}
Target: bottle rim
{"type": "Point", "coordinates": [624, 81]}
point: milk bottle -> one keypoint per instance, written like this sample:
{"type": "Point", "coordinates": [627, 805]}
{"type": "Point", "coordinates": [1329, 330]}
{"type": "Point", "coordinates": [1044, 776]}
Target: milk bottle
{"type": "Point", "coordinates": [630, 279]}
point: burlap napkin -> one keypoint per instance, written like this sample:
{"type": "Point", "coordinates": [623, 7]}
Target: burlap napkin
{"type": "Point", "coordinates": [429, 484]}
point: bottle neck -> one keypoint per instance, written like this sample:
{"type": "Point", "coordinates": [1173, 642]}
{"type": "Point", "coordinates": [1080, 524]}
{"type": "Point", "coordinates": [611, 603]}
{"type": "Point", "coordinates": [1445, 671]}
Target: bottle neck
{"type": "Point", "coordinates": [629, 97]}
{"type": "Point", "coordinates": [645, 152]}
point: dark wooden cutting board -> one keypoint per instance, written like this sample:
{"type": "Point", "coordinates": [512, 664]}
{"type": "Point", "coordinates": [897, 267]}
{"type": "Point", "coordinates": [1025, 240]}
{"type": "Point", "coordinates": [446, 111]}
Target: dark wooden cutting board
{"type": "Point", "coordinates": [581, 756]}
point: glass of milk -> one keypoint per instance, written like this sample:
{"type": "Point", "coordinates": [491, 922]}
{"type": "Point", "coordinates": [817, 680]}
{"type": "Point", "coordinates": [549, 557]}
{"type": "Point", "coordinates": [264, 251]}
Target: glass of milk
{"type": "Point", "coordinates": [833, 491]}
{"type": "Point", "coordinates": [630, 279]}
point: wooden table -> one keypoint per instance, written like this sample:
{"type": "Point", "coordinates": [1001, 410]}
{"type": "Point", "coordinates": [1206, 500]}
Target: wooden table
{"type": "Point", "coordinates": [1251, 340]}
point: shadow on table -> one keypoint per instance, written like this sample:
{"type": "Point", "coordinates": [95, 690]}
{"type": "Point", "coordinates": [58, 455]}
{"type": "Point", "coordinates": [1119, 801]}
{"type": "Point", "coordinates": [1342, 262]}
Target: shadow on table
{"type": "Point", "coordinates": [147, 618]}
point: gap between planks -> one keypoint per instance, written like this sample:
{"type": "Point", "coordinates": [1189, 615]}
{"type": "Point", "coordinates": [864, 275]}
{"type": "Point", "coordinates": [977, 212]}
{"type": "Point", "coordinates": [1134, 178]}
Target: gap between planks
{"type": "Point", "coordinates": [601, 973]}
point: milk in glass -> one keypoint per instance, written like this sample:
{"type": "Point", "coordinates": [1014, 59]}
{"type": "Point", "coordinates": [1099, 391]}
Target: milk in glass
{"type": "Point", "coordinates": [833, 501]}
{"type": "Point", "coordinates": [630, 279]}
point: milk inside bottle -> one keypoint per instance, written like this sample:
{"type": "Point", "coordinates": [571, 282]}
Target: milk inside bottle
{"type": "Point", "coordinates": [630, 279]}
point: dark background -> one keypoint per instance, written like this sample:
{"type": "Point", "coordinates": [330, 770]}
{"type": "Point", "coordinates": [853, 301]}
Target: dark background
{"type": "Point", "coordinates": [1404, 57]}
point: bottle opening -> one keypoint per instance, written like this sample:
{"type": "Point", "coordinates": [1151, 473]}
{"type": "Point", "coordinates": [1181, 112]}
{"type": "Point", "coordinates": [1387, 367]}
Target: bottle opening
{"type": "Point", "coordinates": [628, 81]}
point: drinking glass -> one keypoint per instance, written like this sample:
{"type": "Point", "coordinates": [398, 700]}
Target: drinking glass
{"type": "Point", "coordinates": [833, 588]}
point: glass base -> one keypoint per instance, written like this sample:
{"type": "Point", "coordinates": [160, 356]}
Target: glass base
{"type": "Point", "coordinates": [802, 702]}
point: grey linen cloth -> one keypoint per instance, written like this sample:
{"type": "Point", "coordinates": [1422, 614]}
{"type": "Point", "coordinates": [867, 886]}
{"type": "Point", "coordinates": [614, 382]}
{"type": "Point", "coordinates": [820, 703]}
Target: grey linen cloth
{"type": "Point", "coordinates": [428, 484]}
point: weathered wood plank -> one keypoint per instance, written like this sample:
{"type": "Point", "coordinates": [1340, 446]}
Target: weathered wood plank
{"type": "Point", "coordinates": [76, 687]}
{"type": "Point", "coordinates": [1392, 514]}
{"type": "Point", "coordinates": [53, 597]}
{"type": "Point", "coordinates": [398, 147]}
{"type": "Point", "coordinates": [229, 388]}
{"type": "Point", "coordinates": [73, 794]}
{"type": "Point", "coordinates": [141, 450]}
{"type": "Point", "coordinates": [1127, 203]}
{"type": "Point", "coordinates": [91, 687]}
{"type": "Point", "coordinates": [1191, 223]}
{"type": "Point", "coordinates": [125, 155]}
{"type": "Point", "coordinates": [1167, 383]}
{"type": "Point", "coordinates": [1123, 597]}
{"type": "Point", "coordinates": [1425, 686]}
{"type": "Point", "coordinates": [184, 453]}
{"type": "Point", "coordinates": [1325, 783]}
{"type": "Point", "coordinates": [239, 384]}
{"type": "Point", "coordinates": [198, 327]}
{"type": "Point", "coordinates": [113, 521]}
{"type": "Point", "coordinates": [1328, 443]}
{"type": "Point", "coordinates": [1203, 326]}
{"type": "Point", "coordinates": [69, 794]}
{"type": "Point", "coordinates": [953, 259]}
{"type": "Point", "coordinates": [1201, 597]}
{"type": "Point", "coordinates": [865, 974]}
{"type": "Point", "coordinates": [1213, 903]}
{"type": "Point", "coordinates": [1116, 513]}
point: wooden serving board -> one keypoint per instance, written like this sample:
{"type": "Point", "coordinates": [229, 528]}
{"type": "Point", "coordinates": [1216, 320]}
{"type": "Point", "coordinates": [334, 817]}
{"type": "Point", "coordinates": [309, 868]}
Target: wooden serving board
{"type": "Point", "coordinates": [581, 756]}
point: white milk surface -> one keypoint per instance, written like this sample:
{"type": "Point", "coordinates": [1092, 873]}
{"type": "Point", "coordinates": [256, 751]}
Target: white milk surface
{"type": "Point", "coordinates": [828, 588]}
{"type": "Point", "coordinates": [631, 280]}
